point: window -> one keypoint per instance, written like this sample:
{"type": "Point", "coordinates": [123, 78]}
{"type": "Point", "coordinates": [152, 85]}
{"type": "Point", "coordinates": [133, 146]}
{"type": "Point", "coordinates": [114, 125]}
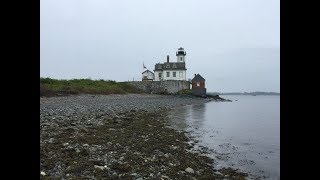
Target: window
{"type": "Point", "coordinates": [181, 58]}
{"type": "Point", "coordinates": [167, 65]}
{"type": "Point", "coordinates": [180, 74]}
{"type": "Point", "coordinates": [198, 83]}
{"type": "Point", "coordinates": [174, 74]}
{"type": "Point", "coordinates": [168, 74]}
{"type": "Point", "coordinates": [160, 74]}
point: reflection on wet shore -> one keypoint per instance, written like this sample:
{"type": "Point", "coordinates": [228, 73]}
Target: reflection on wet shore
{"type": "Point", "coordinates": [191, 115]}
{"type": "Point", "coordinates": [243, 135]}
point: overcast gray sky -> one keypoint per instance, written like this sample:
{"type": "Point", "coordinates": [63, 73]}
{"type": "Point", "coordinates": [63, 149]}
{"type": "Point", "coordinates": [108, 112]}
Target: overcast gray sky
{"type": "Point", "coordinates": [233, 44]}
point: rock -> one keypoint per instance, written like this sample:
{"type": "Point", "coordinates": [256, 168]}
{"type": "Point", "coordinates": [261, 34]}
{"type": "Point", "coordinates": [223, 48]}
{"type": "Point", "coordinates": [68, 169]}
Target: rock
{"type": "Point", "coordinates": [174, 147]}
{"type": "Point", "coordinates": [164, 177]}
{"type": "Point", "coordinates": [114, 175]}
{"type": "Point", "coordinates": [100, 123]}
{"type": "Point", "coordinates": [65, 144]}
{"type": "Point", "coordinates": [134, 174]}
{"type": "Point", "coordinates": [42, 173]}
{"type": "Point", "coordinates": [140, 178]}
{"type": "Point", "coordinates": [99, 167]}
{"type": "Point", "coordinates": [84, 129]}
{"type": "Point", "coordinates": [189, 170]}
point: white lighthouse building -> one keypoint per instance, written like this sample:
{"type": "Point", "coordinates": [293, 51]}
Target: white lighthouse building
{"type": "Point", "coordinates": [172, 70]}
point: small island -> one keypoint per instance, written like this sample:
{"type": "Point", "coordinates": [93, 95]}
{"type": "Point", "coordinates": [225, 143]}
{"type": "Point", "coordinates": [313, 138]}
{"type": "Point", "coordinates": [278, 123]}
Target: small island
{"type": "Point", "coordinates": [111, 130]}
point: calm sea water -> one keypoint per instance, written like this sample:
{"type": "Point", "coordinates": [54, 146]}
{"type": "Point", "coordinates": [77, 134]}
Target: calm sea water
{"type": "Point", "coordinates": [243, 134]}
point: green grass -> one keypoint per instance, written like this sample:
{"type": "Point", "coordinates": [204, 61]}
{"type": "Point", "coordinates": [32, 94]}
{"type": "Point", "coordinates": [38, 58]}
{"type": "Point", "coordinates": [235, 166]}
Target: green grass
{"type": "Point", "coordinates": [52, 87]}
{"type": "Point", "coordinates": [185, 91]}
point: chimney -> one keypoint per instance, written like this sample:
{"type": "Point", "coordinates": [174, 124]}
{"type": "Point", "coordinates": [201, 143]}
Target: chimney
{"type": "Point", "coordinates": [167, 58]}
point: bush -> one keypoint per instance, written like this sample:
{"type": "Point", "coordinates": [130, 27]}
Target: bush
{"type": "Point", "coordinates": [84, 86]}
{"type": "Point", "coordinates": [185, 91]}
{"type": "Point", "coordinates": [45, 91]}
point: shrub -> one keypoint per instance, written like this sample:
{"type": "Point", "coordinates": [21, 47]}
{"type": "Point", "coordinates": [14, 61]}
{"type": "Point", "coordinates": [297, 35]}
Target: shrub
{"type": "Point", "coordinates": [185, 91]}
{"type": "Point", "coordinates": [84, 86]}
{"type": "Point", "coordinates": [45, 91]}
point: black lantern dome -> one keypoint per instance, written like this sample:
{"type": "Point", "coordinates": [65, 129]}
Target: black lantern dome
{"type": "Point", "coordinates": [181, 51]}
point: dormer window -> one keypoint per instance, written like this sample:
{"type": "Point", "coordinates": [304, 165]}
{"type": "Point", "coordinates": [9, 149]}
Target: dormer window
{"type": "Point", "coordinates": [159, 66]}
{"type": "Point", "coordinates": [174, 65]}
{"type": "Point", "coordinates": [167, 65]}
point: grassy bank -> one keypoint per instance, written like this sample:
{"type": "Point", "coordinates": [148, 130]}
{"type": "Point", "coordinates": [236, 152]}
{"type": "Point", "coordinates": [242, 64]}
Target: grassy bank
{"type": "Point", "coordinates": [54, 87]}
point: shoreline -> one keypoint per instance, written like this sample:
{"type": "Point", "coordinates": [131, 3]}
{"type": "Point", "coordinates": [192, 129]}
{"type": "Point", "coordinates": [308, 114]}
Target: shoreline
{"type": "Point", "coordinates": [118, 136]}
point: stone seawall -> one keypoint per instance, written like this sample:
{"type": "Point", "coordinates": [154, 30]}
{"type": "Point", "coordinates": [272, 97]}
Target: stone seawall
{"type": "Point", "coordinates": [169, 86]}
{"type": "Point", "coordinates": [199, 91]}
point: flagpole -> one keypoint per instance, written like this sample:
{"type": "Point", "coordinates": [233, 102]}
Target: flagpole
{"type": "Point", "coordinates": [144, 67]}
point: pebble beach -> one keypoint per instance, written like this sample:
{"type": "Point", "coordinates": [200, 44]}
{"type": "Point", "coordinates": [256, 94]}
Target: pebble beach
{"type": "Point", "coordinates": [119, 137]}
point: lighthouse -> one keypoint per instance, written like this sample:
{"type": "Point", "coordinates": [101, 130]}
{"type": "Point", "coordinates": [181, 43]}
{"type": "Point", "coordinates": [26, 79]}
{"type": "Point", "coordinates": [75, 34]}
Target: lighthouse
{"type": "Point", "coordinates": [181, 55]}
{"type": "Point", "coordinates": [172, 70]}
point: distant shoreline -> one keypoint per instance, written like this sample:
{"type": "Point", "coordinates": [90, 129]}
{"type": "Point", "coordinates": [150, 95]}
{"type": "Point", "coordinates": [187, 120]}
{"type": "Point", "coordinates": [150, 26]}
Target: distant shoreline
{"type": "Point", "coordinates": [250, 94]}
{"type": "Point", "coordinates": [253, 94]}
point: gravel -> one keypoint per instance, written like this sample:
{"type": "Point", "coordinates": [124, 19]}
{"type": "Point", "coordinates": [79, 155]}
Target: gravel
{"type": "Point", "coordinates": [92, 110]}
{"type": "Point", "coordinates": [117, 137]}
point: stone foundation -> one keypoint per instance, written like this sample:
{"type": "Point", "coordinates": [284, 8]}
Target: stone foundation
{"type": "Point", "coordinates": [199, 91]}
{"type": "Point", "coordinates": [168, 86]}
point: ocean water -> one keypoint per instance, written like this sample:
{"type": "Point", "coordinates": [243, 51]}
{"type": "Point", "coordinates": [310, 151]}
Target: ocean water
{"type": "Point", "coordinates": [243, 134]}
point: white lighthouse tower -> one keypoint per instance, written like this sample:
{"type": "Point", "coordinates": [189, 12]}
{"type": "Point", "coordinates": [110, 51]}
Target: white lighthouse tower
{"type": "Point", "coordinates": [181, 55]}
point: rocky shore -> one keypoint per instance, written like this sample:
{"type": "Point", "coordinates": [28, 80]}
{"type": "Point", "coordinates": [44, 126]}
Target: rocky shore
{"type": "Point", "coordinates": [119, 137]}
